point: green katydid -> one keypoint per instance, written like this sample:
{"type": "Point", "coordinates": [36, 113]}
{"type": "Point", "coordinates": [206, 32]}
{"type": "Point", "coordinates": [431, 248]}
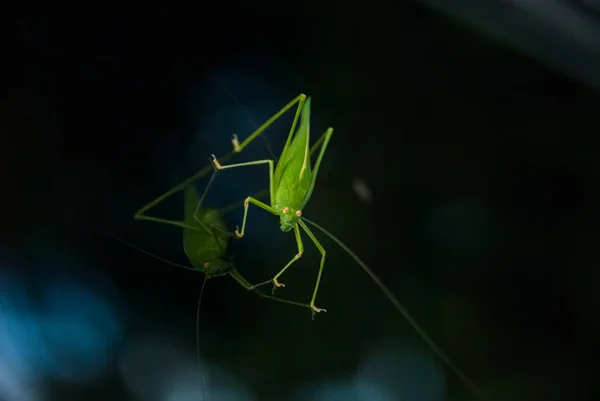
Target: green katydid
{"type": "Point", "coordinates": [291, 184]}
{"type": "Point", "coordinates": [205, 235]}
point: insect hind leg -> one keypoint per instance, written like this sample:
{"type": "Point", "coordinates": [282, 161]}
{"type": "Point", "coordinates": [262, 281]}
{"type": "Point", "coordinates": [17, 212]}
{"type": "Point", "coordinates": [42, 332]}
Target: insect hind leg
{"type": "Point", "coordinates": [238, 147]}
{"type": "Point", "coordinates": [244, 283]}
{"type": "Point", "coordinates": [321, 267]}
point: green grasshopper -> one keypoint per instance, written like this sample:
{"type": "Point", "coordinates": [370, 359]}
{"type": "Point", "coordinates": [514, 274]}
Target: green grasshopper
{"type": "Point", "coordinates": [291, 185]}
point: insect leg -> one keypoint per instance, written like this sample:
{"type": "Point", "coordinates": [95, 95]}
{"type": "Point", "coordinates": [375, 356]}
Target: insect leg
{"type": "Point", "coordinates": [318, 143]}
{"type": "Point", "coordinates": [276, 283]}
{"type": "Point", "coordinates": [403, 311]}
{"type": "Point", "coordinates": [199, 205]}
{"type": "Point", "coordinates": [255, 202]}
{"type": "Point", "coordinates": [269, 209]}
{"type": "Point", "coordinates": [208, 228]}
{"type": "Point", "coordinates": [225, 88]}
{"type": "Point", "coordinates": [244, 283]}
{"type": "Point", "coordinates": [240, 203]}
{"type": "Point", "coordinates": [325, 139]}
{"type": "Point", "coordinates": [238, 147]}
{"type": "Point", "coordinates": [323, 253]}
{"type": "Point", "coordinates": [141, 213]}
{"type": "Point", "coordinates": [269, 162]}
{"type": "Point", "coordinates": [259, 195]}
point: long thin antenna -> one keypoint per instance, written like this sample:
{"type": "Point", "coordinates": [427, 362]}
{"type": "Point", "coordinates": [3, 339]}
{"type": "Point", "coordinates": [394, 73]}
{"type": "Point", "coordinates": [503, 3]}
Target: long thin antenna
{"type": "Point", "coordinates": [472, 386]}
{"type": "Point", "coordinates": [142, 250]}
{"type": "Point", "coordinates": [137, 248]}
{"type": "Point", "coordinates": [198, 320]}
{"type": "Point", "coordinates": [198, 336]}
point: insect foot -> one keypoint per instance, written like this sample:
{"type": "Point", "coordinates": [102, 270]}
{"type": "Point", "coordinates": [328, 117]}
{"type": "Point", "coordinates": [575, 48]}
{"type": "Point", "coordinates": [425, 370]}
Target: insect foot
{"type": "Point", "coordinates": [276, 285]}
{"type": "Point", "coordinates": [237, 232]}
{"type": "Point", "coordinates": [316, 310]}
{"type": "Point", "coordinates": [236, 144]}
{"type": "Point", "coordinates": [216, 162]}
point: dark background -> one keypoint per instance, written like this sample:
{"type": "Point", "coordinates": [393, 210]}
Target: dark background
{"type": "Point", "coordinates": [481, 163]}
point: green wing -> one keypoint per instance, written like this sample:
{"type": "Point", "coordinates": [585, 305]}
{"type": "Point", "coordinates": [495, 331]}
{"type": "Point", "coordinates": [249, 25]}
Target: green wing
{"type": "Point", "coordinates": [297, 154]}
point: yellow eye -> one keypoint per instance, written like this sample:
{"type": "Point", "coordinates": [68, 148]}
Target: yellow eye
{"type": "Point", "coordinates": [298, 213]}
{"type": "Point", "coordinates": [206, 265]}
{"type": "Point", "coordinates": [286, 209]}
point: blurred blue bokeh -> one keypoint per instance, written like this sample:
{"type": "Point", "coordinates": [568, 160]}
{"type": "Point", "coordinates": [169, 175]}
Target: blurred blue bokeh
{"type": "Point", "coordinates": [174, 375]}
{"type": "Point", "coordinates": [389, 373]}
{"type": "Point", "coordinates": [57, 327]}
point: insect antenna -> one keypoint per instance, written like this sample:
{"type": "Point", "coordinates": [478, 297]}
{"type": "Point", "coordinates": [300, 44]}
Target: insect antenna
{"type": "Point", "coordinates": [142, 250]}
{"type": "Point", "coordinates": [198, 320]}
{"type": "Point", "coordinates": [432, 344]}
{"type": "Point", "coordinates": [198, 335]}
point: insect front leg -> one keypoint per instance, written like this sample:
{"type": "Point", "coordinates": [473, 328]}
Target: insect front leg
{"type": "Point", "coordinates": [274, 280]}
{"type": "Point", "coordinates": [255, 202]}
